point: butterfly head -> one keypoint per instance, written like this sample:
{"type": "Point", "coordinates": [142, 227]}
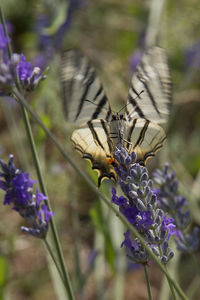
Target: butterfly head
{"type": "Point", "coordinates": [117, 117]}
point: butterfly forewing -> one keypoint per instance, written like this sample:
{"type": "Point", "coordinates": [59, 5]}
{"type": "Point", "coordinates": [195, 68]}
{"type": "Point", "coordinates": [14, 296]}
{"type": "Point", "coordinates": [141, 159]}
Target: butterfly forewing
{"type": "Point", "coordinates": [149, 95]}
{"type": "Point", "coordinates": [82, 92]}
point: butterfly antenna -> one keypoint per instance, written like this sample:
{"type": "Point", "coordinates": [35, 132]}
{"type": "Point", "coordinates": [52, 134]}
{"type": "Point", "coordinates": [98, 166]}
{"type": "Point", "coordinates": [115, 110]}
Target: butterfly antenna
{"type": "Point", "coordinates": [95, 104]}
{"type": "Point", "coordinates": [129, 102]}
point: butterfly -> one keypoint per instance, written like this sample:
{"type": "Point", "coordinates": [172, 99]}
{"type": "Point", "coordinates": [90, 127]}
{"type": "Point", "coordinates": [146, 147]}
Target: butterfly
{"type": "Point", "coordinates": [99, 130]}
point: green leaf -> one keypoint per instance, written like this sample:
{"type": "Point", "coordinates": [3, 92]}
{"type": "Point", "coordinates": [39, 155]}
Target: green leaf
{"type": "Point", "coordinates": [102, 225]}
{"type": "Point", "coordinates": [3, 270]}
{"type": "Point", "coordinates": [40, 134]}
{"type": "Point", "coordinates": [3, 276]}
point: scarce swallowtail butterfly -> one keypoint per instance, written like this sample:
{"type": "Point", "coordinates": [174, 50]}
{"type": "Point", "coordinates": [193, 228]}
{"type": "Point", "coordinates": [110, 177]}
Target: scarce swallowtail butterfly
{"type": "Point", "coordinates": [99, 131]}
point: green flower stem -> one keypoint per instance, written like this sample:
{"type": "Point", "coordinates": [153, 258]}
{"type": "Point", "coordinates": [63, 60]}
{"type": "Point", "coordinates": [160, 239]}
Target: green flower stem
{"type": "Point", "coordinates": [98, 192]}
{"type": "Point", "coordinates": [65, 276]}
{"type": "Point", "coordinates": [169, 282]}
{"type": "Point", "coordinates": [171, 287]}
{"type": "Point", "coordinates": [147, 282]}
{"type": "Point", "coordinates": [54, 260]}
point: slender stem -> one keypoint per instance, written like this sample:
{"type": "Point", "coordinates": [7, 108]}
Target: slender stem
{"type": "Point", "coordinates": [169, 282]}
{"type": "Point", "coordinates": [54, 260]}
{"type": "Point", "coordinates": [147, 282]}
{"type": "Point", "coordinates": [171, 287]}
{"type": "Point", "coordinates": [44, 191]}
{"type": "Point", "coordinates": [5, 31]}
{"type": "Point", "coordinates": [98, 192]}
{"type": "Point", "coordinates": [173, 270]}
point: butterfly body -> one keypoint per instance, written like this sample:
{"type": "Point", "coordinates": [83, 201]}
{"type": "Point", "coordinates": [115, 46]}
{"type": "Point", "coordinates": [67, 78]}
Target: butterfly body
{"type": "Point", "coordinates": [99, 131]}
{"type": "Point", "coordinates": [116, 130]}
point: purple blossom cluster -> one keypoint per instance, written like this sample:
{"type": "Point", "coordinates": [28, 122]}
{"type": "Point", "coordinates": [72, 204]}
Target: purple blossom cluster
{"type": "Point", "coordinates": [176, 205]}
{"type": "Point", "coordinates": [135, 59]}
{"type": "Point", "coordinates": [138, 52]}
{"type": "Point", "coordinates": [192, 56]}
{"type": "Point", "coordinates": [3, 44]}
{"type": "Point", "coordinates": [16, 65]}
{"type": "Point", "coordinates": [18, 189]}
{"type": "Point", "coordinates": [29, 76]}
{"type": "Point", "coordinates": [49, 42]}
{"type": "Point", "coordinates": [140, 208]}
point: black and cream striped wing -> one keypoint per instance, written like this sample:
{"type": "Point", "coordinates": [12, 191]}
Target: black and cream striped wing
{"type": "Point", "coordinates": [93, 141]}
{"type": "Point", "coordinates": [83, 96]}
{"type": "Point", "coordinates": [150, 92]}
{"type": "Point", "coordinates": [143, 137]}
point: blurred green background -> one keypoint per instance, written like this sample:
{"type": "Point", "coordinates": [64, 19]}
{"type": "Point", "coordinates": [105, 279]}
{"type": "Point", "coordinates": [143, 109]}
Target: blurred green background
{"type": "Point", "coordinates": [111, 33]}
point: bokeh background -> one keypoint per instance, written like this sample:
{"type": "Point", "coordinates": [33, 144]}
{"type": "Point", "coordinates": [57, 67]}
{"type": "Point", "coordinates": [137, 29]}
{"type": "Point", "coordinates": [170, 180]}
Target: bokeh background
{"type": "Point", "coordinates": [113, 34]}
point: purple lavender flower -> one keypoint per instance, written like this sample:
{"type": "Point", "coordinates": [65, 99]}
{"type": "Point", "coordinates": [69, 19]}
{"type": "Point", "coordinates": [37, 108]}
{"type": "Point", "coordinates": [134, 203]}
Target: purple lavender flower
{"type": "Point", "coordinates": [9, 172]}
{"type": "Point", "coordinates": [187, 242]}
{"type": "Point", "coordinates": [140, 208]}
{"type": "Point", "coordinates": [175, 204]}
{"type": "Point", "coordinates": [16, 65]}
{"type": "Point", "coordinates": [138, 53]}
{"type": "Point", "coordinates": [73, 6]}
{"type": "Point", "coordinates": [28, 76]}
{"type": "Point", "coordinates": [7, 73]}
{"type": "Point", "coordinates": [135, 59]}
{"type": "Point", "coordinates": [6, 66]}
{"type": "Point", "coordinates": [192, 56]}
{"type": "Point", "coordinates": [3, 44]}
{"type": "Point", "coordinates": [134, 250]}
{"type": "Point", "coordinates": [19, 192]}
{"type": "Point", "coordinates": [49, 43]}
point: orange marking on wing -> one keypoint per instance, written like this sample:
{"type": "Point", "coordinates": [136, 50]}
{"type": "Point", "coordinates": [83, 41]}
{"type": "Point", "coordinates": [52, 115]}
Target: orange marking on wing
{"type": "Point", "coordinates": [110, 160]}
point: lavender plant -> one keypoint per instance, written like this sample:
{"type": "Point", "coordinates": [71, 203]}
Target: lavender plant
{"type": "Point", "coordinates": [14, 66]}
{"type": "Point", "coordinates": [18, 189]}
{"type": "Point", "coordinates": [147, 209]}
{"type": "Point", "coordinates": [141, 210]}
{"type": "Point", "coordinates": [176, 205]}
{"type": "Point", "coordinates": [49, 42]}
{"type": "Point", "coordinates": [192, 56]}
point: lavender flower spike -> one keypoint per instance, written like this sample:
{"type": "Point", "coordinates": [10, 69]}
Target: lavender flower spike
{"type": "Point", "coordinates": [29, 77]}
{"type": "Point", "coordinates": [140, 208]}
{"type": "Point", "coordinates": [19, 192]}
{"type": "Point", "coordinates": [7, 66]}
{"type": "Point", "coordinates": [176, 205]}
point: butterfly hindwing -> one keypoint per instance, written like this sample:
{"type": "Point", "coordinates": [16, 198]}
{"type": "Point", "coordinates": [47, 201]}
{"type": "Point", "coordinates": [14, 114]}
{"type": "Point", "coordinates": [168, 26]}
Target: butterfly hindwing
{"type": "Point", "coordinates": [93, 142]}
{"type": "Point", "coordinates": [143, 137]}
